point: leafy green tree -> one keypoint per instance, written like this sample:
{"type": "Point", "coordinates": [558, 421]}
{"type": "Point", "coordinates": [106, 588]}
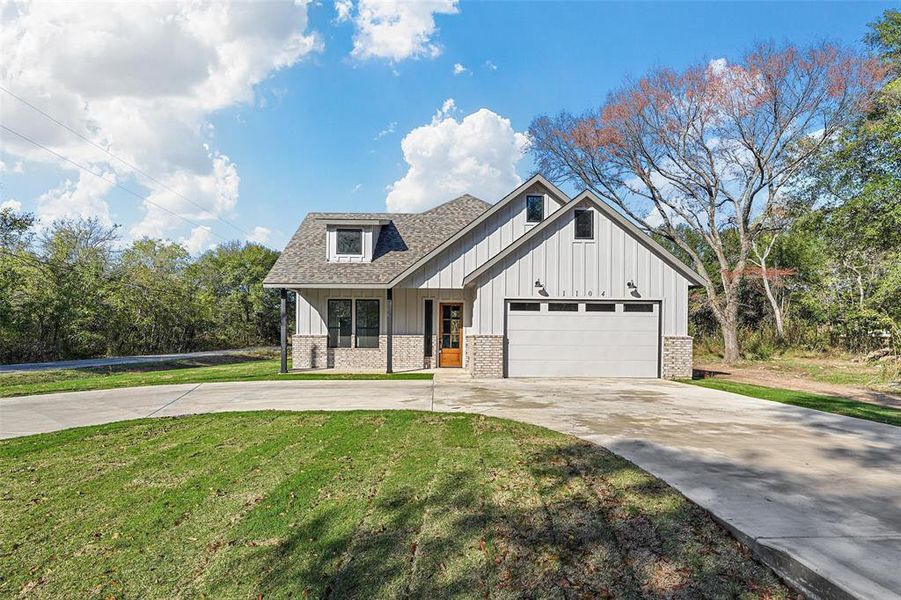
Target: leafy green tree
{"type": "Point", "coordinates": [228, 280]}
{"type": "Point", "coordinates": [155, 306]}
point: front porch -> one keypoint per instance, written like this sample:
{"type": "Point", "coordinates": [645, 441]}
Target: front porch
{"type": "Point", "coordinates": [360, 330]}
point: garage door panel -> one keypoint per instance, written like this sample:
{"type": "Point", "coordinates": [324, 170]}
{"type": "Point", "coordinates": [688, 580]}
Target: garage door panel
{"type": "Point", "coordinates": [544, 368]}
{"type": "Point", "coordinates": [584, 354]}
{"type": "Point", "coordinates": [617, 322]}
{"type": "Point", "coordinates": [582, 344]}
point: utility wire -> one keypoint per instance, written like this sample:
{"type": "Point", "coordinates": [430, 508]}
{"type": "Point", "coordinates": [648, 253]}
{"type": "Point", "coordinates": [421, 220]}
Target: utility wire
{"type": "Point", "coordinates": [122, 160]}
{"type": "Point", "coordinates": [110, 181]}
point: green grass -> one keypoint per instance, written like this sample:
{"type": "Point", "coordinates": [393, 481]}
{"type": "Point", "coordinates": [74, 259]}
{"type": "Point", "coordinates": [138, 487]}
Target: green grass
{"type": "Point", "coordinates": [73, 380]}
{"type": "Point", "coordinates": [350, 505]}
{"type": "Point", "coordinates": [830, 404]}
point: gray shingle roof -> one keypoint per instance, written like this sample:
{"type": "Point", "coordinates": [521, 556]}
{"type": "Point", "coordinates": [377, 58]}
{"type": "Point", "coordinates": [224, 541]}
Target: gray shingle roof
{"type": "Point", "coordinates": [408, 237]}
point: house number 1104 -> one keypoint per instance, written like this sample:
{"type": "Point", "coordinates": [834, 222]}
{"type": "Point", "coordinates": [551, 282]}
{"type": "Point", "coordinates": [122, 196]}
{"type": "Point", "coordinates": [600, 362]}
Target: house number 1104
{"type": "Point", "coordinates": [576, 293]}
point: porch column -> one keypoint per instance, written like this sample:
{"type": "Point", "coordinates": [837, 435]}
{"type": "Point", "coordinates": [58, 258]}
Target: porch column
{"type": "Point", "coordinates": [283, 314]}
{"type": "Point", "coordinates": [389, 308]}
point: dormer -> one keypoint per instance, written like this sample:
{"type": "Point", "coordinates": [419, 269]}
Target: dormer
{"type": "Point", "coordinates": [352, 240]}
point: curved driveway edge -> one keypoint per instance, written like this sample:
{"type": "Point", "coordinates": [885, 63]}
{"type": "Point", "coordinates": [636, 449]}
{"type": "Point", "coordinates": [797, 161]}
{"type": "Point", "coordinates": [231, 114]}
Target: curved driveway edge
{"type": "Point", "coordinates": [816, 496]}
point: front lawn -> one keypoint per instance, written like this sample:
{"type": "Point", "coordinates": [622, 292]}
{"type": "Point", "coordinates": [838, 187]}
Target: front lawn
{"type": "Point", "coordinates": [831, 404]}
{"type": "Point", "coordinates": [74, 380]}
{"type": "Point", "coordinates": [356, 504]}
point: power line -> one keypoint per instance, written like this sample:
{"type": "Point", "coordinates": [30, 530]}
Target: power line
{"type": "Point", "coordinates": [110, 181]}
{"type": "Point", "coordinates": [123, 161]}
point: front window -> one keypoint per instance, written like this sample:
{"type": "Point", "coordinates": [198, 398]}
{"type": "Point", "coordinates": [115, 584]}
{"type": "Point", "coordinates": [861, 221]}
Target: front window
{"type": "Point", "coordinates": [349, 242]}
{"type": "Point", "coordinates": [584, 224]}
{"type": "Point", "coordinates": [367, 324]}
{"type": "Point", "coordinates": [534, 209]}
{"type": "Point", "coordinates": [339, 328]}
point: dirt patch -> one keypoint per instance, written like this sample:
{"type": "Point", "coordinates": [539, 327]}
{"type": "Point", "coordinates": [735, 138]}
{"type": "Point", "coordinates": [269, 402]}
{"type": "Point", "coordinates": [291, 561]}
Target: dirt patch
{"type": "Point", "coordinates": [759, 375]}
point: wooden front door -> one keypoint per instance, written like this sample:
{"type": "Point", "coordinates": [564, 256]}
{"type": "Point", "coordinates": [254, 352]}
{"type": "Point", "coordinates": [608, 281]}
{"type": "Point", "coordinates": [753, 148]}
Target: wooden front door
{"type": "Point", "coordinates": [451, 340]}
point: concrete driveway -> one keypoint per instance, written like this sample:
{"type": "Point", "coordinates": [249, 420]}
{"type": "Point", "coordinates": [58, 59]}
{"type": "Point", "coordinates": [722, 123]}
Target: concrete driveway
{"type": "Point", "coordinates": [817, 496]}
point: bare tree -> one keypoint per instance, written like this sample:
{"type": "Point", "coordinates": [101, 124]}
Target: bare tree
{"type": "Point", "coordinates": [692, 154]}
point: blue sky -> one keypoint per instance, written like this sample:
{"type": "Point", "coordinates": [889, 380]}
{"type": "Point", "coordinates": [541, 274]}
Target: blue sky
{"type": "Point", "coordinates": [306, 136]}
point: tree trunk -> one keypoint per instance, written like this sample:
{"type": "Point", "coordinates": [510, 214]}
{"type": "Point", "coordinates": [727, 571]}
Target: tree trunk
{"type": "Point", "coordinates": [729, 325]}
{"type": "Point", "coordinates": [777, 310]}
{"type": "Point", "coordinates": [731, 353]}
{"type": "Point", "coordinates": [725, 311]}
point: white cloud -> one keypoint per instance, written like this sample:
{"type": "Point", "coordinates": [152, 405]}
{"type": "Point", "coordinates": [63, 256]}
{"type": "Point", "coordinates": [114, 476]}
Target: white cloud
{"type": "Point", "coordinates": [84, 198]}
{"type": "Point", "coordinates": [142, 79]}
{"type": "Point", "coordinates": [13, 205]}
{"type": "Point", "coordinates": [17, 167]}
{"type": "Point", "coordinates": [217, 189]}
{"type": "Point", "coordinates": [398, 30]}
{"type": "Point", "coordinates": [342, 10]}
{"type": "Point", "coordinates": [386, 131]}
{"type": "Point", "coordinates": [356, 188]}
{"type": "Point", "coordinates": [448, 107]}
{"type": "Point", "coordinates": [260, 234]}
{"type": "Point", "coordinates": [459, 69]}
{"type": "Point", "coordinates": [200, 240]}
{"type": "Point", "coordinates": [477, 154]}
{"type": "Point", "coordinates": [490, 65]}
{"type": "Point", "coordinates": [717, 65]}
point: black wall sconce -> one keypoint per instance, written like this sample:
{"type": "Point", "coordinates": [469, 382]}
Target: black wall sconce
{"type": "Point", "coordinates": [634, 289]}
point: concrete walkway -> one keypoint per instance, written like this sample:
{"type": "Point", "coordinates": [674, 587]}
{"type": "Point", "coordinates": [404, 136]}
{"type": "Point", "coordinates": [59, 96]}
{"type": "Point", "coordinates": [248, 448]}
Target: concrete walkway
{"type": "Point", "coordinates": [90, 363]}
{"type": "Point", "coordinates": [816, 496]}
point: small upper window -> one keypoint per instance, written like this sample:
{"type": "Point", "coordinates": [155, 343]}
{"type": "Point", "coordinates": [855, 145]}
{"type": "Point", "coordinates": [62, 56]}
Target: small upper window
{"type": "Point", "coordinates": [349, 242]}
{"type": "Point", "coordinates": [563, 307]}
{"type": "Point", "coordinates": [584, 224]}
{"type": "Point", "coordinates": [525, 306]}
{"type": "Point", "coordinates": [593, 307]}
{"type": "Point", "coordinates": [534, 209]}
{"type": "Point", "coordinates": [634, 307]}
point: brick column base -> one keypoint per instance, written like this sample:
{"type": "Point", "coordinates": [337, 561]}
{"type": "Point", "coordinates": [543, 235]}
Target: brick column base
{"type": "Point", "coordinates": [485, 356]}
{"type": "Point", "coordinates": [676, 359]}
{"type": "Point", "coordinates": [309, 351]}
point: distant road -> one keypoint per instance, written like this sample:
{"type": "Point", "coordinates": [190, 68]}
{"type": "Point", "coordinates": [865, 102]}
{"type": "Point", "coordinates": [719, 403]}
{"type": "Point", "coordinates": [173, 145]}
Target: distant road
{"type": "Point", "coordinates": [119, 360]}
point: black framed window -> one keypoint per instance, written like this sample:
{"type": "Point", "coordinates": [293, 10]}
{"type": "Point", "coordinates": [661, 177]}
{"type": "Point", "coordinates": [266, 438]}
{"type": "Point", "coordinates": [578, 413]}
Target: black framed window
{"type": "Point", "coordinates": [600, 307]}
{"type": "Point", "coordinates": [643, 307]}
{"type": "Point", "coordinates": [349, 241]}
{"type": "Point", "coordinates": [584, 224]}
{"type": "Point", "coordinates": [525, 306]}
{"type": "Point", "coordinates": [563, 306]}
{"type": "Point", "coordinates": [428, 327]}
{"type": "Point", "coordinates": [339, 323]}
{"type": "Point", "coordinates": [534, 209]}
{"type": "Point", "coordinates": [367, 324]}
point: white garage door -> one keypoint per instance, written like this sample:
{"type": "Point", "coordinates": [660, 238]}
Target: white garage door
{"type": "Point", "coordinates": [582, 339]}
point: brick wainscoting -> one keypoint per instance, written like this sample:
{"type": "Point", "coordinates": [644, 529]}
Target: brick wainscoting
{"type": "Point", "coordinates": [312, 352]}
{"type": "Point", "coordinates": [309, 351]}
{"type": "Point", "coordinates": [485, 356]}
{"type": "Point", "coordinates": [676, 357]}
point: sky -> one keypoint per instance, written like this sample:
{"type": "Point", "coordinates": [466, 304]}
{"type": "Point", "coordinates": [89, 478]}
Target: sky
{"type": "Point", "coordinates": [204, 122]}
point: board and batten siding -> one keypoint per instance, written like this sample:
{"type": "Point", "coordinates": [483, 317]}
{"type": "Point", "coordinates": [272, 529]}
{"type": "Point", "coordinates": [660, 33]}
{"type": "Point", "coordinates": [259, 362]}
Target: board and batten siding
{"type": "Point", "coordinates": [448, 268]}
{"type": "Point", "coordinates": [409, 303]}
{"type": "Point", "coordinates": [574, 269]}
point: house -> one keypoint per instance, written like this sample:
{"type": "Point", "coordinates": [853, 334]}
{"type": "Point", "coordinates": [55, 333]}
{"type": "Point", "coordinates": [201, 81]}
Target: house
{"type": "Point", "coordinates": [538, 284]}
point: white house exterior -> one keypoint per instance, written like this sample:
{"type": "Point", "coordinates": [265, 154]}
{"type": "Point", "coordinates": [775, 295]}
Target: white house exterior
{"type": "Point", "coordinates": [536, 285]}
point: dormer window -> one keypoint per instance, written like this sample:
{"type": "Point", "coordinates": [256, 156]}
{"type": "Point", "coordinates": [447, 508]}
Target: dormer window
{"type": "Point", "coordinates": [350, 239]}
{"type": "Point", "coordinates": [349, 242]}
{"type": "Point", "coordinates": [534, 209]}
{"type": "Point", "coordinates": [584, 224]}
